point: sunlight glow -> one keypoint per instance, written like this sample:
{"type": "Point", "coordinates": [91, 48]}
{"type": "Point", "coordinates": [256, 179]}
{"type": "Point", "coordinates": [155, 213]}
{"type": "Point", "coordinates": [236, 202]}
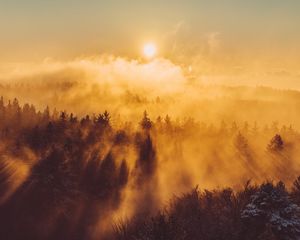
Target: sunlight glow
{"type": "Point", "coordinates": [149, 50]}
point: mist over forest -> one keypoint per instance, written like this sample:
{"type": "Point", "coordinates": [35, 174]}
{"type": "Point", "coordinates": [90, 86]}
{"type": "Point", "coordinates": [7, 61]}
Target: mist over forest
{"type": "Point", "coordinates": [127, 88]}
{"type": "Point", "coordinates": [149, 120]}
{"type": "Point", "coordinates": [88, 153]}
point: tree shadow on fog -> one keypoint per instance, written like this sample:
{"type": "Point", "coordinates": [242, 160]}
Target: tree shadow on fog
{"type": "Point", "coordinates": [60, 201]}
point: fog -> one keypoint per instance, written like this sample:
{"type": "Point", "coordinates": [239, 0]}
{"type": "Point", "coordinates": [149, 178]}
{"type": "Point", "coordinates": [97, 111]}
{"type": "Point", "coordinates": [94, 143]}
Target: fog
{"type": "Point", "coordinates": [190, 134]}
{"type": "Point", "coordinates": [128, 87]}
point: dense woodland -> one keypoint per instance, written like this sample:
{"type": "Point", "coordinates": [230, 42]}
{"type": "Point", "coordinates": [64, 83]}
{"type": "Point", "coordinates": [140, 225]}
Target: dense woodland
{"type": "Point", "coordinates": [65, 177]}
{"type": "Point", "coordinates": [267, 211]}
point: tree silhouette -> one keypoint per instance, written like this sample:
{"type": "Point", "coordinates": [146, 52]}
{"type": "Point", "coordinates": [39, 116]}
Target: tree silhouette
{"type": "Point", "coordinates": [146, 123]}
{"type": "Point", "coordinates": [276, 144]}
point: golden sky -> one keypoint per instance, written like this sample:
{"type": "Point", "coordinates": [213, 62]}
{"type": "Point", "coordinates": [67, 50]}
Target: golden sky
{"type": "Point", "coordinates": [216, 37]}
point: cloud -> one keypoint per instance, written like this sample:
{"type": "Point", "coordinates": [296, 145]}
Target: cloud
{"type": "Point", "coordinates": [213, 41]}
{"type": "Point", "coordinates": [128, 87]}
{"type": "Point", "coordinates": [88, 85]}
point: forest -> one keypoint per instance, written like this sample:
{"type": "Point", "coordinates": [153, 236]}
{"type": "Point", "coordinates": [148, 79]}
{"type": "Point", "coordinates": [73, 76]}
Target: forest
{"type": "Point", "coordinates": [101, 176]}
{"type": "Point", "coordinates": [149, 120]}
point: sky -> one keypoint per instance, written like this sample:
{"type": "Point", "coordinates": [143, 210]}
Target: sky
{"type": "Point", "coordinates": [215, 37]}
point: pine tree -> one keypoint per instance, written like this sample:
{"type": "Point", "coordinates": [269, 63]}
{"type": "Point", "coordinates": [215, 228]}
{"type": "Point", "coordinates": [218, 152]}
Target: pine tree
{"type": "Point", "coordinates": [276, 144]}
{"type": "Point", "coordinates": [146, 123]}
{"type": "Point", "coordinates": [271, 207]}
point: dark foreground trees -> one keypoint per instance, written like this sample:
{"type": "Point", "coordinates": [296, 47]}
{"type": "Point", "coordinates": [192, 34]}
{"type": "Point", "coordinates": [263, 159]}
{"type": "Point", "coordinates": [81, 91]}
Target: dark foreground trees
{"type": "Point", "coordinates": [263, 212]}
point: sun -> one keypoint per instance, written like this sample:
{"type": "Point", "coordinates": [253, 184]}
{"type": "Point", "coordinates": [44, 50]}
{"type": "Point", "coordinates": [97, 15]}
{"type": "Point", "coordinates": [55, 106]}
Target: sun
{"type": "Point", "coordinates": [149, 50]}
